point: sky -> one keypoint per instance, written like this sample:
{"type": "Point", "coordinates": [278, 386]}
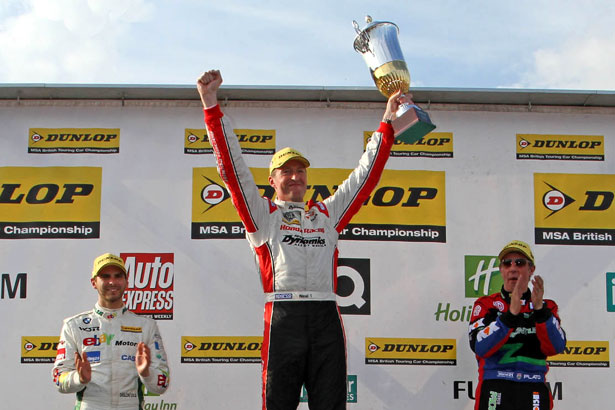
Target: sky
{"type": "Point", "coordinates": [538, 44]}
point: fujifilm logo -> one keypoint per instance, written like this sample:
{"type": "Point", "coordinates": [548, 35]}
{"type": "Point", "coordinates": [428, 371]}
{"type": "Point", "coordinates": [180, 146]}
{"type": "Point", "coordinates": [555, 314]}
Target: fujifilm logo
{"type": "Point", "coordinates": [14, 288]}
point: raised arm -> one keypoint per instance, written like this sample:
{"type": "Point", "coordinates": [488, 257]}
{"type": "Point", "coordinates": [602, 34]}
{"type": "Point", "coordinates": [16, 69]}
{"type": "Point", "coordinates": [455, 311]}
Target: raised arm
{"type": "Point", "coordinates": [351, 194]}
{"type": "Point", "coordinates": [207, 85]}
{"type": "Point", "coordinates": [230, 162]}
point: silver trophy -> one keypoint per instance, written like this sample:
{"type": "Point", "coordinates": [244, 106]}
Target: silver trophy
{"type": "Point", "coordinates": [379, 46]}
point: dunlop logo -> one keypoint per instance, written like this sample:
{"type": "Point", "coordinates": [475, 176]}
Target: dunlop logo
{"type": "Point", "coordinates": [74, 141]}
{"type": "Point", "coordinates": [256, 142]}
{"type": "Point", "coordinates": [432, 145]}
{"type": "Point", "coordinates": [221, 349]}
{"type": "Point", "coordinates": [440, 352]}
{"type": "Point", "coordinates": [131, 329]}
{"type": "Point", "coordinates": [39, 349]}
{"type": "Point", "coordinates": [582, 354]}
{"type": "Point", "coordinates": [560, 147]}
{"type": "Point", "coordinates": [574, 209]}
{"type": "Point", "coordinates": [50, 202]}
{"type": "Point", "coordinates": [397, 210]}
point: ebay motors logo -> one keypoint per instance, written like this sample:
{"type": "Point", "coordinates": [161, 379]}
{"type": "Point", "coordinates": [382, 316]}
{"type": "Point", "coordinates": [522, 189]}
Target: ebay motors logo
{"type": "Point", "coordinates": [98, 340]}
{"type": "Point", "coordinates": [150, 284]}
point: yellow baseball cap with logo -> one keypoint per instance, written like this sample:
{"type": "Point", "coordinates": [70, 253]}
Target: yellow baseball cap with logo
{"type": "Point", "coordinates": [517, 246]}
{"type": "Point", "coordinates": [107, 259]}
{"type": "Point", "coordinates": [284, 155]}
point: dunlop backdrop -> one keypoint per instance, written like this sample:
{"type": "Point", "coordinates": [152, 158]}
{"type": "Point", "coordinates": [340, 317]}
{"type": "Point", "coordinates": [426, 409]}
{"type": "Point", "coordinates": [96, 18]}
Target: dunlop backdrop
{"type": "Point", "coordinates": [156, 199]}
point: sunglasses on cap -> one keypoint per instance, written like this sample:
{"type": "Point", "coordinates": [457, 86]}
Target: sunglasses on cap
{"type": "Point", "coordinates": [518, 262]}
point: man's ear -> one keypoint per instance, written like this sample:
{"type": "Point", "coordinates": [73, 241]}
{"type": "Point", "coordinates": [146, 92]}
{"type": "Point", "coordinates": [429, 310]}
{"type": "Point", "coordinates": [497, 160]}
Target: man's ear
{"type": "Point", "coordinates": [271, 182]}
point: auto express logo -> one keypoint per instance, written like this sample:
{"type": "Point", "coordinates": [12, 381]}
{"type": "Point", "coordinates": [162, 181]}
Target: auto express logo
{"type": "Point", "coordinates": [353, 286]}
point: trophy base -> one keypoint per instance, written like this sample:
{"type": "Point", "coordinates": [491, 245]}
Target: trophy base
{"type": "Point", "coordinates": [412, 125]}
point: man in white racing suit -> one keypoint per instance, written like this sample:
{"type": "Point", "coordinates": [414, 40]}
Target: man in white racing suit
{"type": "Point", "coordinates": [106, 354]}
{"type": "Point", "coordinates": [295, 247]}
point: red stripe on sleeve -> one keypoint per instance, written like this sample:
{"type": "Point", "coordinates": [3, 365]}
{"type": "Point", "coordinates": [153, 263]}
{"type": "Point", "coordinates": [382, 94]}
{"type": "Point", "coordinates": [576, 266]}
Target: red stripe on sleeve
{"type": "Point", "coordinates": [218, 137]}
{"type": "Point", "coordinates": [382, 156]}
{"type": "Point", "coordinates": [266, 267]}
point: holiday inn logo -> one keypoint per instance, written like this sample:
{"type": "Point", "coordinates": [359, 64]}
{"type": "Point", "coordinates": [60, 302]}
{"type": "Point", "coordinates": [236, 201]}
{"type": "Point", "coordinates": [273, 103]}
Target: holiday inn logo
{"type": "Point", "coordinates": [482, 276]}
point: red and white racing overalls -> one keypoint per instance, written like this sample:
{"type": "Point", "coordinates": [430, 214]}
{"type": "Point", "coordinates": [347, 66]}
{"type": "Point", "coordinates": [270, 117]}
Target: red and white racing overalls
{"type": "Point", "coordinates": [296, 253]}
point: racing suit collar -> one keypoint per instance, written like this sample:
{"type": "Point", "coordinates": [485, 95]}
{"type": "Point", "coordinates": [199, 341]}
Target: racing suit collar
{"type": "Point", "coordinates": [527, 296]}
{"type": "Point", "coordinates": [290, 204]}
{"type": "Point", "coordinates": [109, 313]}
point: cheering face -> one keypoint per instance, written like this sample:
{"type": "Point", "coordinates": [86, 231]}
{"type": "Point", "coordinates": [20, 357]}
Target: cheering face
{"type": "Point", "coordinates": [290, 181]}
{"type": "Point", "coordinates": [513, 266]}
{"type": "Point", "coordinates": [110, 283]}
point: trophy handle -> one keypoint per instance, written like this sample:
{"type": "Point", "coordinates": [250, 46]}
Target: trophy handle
{"type": "Point", "coordinates": [411, 124]}
{"type": "Point", "coordinates": [362, 46]}
{"type": "Point", "coordinates": [361, 43]}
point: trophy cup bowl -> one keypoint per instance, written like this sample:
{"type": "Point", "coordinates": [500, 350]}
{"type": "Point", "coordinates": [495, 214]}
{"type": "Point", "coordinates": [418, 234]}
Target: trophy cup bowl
{"type": "Point", "coordinates": [379, 45]}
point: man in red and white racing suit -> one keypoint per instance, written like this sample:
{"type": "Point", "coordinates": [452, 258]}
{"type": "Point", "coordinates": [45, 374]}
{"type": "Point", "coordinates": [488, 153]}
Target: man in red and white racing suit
{"type": "Point", "coordinates": [296, 252]}
{"type": "Point", "coordinates": [105, 355]}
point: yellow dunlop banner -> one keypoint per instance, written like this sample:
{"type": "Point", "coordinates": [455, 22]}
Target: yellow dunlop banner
{"type": "Point", "coordinates": [406, 205]}
{"type": "Point", "coordinates": [582, 354]}
{"type": "Point", "coordinates": [74, 141]}
{"type": "Point", "coordinates": [50, 202]}
{"type": "Point", "coordinates": [257, 142]}
{"type": "Point", "coordinates": [39, 349]}
{"type": "Point", "coordinates": [560, 147]}
{"type": "Point", "coordinates": [221, 349]}
{"type": "Point", "coordinates": [432, 145]}
{"type": "Point", "coordinates": [434, 352]}
{"type": "Point", "coordinates": [574, 209]}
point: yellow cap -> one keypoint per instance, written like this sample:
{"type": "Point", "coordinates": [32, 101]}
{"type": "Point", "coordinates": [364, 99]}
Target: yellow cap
{"type": "Point", "coordinates": [284, 155]}
{"type": "Point", "coordinates": [517, 246]}
{"type": "Point", "coordinates": [107, 259]}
